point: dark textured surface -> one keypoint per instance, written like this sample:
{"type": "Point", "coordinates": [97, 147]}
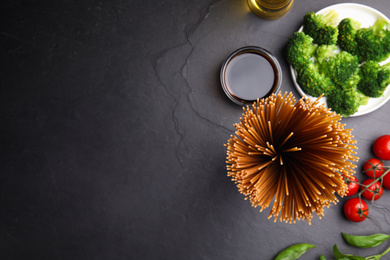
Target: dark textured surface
{"type": "Point", "coordinates": [112, 133]}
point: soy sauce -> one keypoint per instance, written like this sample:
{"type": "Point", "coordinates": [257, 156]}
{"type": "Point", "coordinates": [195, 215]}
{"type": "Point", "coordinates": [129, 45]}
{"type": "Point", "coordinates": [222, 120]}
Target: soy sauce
{"type": "Point", "coordinates": [250, 73]}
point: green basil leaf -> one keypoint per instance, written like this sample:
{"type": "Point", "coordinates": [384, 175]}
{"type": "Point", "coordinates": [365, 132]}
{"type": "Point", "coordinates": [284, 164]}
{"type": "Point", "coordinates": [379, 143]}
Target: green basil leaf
{"type": "Point", "coordinates": [337, 253]}
{"type": "Point", "coordinates": [294, 252]}
{"type": "Point", "coordinates": [365, 241]}
{"type": "Point", "coordinates": [322, 257]}
{"type": "Point", "coordinates": [340, 256]}
{"type": "Point", "coordinates": [352, 257]}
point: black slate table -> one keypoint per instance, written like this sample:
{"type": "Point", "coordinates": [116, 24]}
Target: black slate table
{"type": "Point", "coordinates": [113, 125]}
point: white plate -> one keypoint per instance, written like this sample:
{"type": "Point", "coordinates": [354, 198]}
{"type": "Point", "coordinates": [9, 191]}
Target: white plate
{"type": "Point", "coordinates": [367, 17]}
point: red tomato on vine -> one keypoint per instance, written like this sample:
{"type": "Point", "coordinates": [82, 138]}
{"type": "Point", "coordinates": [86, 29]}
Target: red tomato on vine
{"type": "Point", "coordinates": [381, 147]}
{"type": "Point", "coordinates": [353, 184]}
{"type": "Point", "coordinates": [373, 168]}
{"type": "Point", "coordinates": [386, 181]}
{"type": "Point", "coordinates": [356, 210]}
{"type": "Point", "coordinates": [374, 189]}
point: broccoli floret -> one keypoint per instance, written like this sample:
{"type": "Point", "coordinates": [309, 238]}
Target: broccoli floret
{"type": "Point", "coordinates": [340, 67]}
{"type": "Point", "coordinates": [353, 81]}
{"type": "Point", "coordinates": [371, 42]}
{"type": "Point", "coordinates": [325, 52]}
{"type": "Point", "coordinates": [299, 49]}
{"type": "Point", "coordinates": [347, 32]}
{"type": "Point", "coordinates": [386, 42]}
{"type": "Point", "coordinates": [313, 82]}
{"type": "Point", "coordinates": [345, 101]}
{"type": "Point", "coordinates": [322, 28]}
{"type": "Point", "coordinates": [375, 78]}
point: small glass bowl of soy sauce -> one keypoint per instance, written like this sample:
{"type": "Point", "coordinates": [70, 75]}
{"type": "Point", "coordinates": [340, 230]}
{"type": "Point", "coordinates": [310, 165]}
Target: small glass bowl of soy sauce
{"type": "Point", "coordinates": [250, 73]}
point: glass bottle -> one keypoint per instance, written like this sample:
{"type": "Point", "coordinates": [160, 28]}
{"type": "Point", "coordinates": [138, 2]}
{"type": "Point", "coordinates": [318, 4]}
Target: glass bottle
{"type": "Point", "coordinates": [270, 9]}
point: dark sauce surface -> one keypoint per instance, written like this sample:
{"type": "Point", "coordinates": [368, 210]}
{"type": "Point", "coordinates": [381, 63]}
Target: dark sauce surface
{"type": "Point", "coordinates": [249, 75]}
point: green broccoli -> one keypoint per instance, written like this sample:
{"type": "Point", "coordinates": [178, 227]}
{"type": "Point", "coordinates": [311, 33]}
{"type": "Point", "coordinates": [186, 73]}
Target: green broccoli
{"type": "Point", "coordinates": [345, 101]}
{"type": "Point", "coordinates": [336, 75]}
{"type": "Point", "coordinates": [323, 68]}
{"type": "Point", "coordinates": [313, 82]}
{"type": "Point", "coordinates": [372, 42]}
{"type": "Point", "coordinates": [347, 32]}
{"type": "Point", "coordinates": [299, 49]}
{"type": "Point", "coordinates": [386, 42]}
{"type": "Point", "coordinates": [340, 67]}
{"type": "Point", "coordinates": [375, 78]}
{"type": "Point", "coordinates": [322, 28]}
{"type": "Point", "coordinates": [325, 52]}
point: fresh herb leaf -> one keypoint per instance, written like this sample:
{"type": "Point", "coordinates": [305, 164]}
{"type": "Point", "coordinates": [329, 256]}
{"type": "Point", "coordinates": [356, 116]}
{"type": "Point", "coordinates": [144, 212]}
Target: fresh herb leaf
{"type": "Point", "coordinates": [340, 256]}
{"type": "Point", "coordinates": [365, 241]}
{"type": "Point", "coordinates": [294, 252]}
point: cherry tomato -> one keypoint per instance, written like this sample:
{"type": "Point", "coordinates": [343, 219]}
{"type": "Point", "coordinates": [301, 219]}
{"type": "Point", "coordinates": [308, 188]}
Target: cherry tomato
{"type": "Point", "coordinates": [386, 181]}
{"type": "Point", "coordinates": [373, 168]}
{"type": "Point", "coordinates": [353, 184]}
{"type": "Point", "coordinates": [356, 210]}
{"type": "Point", "coordinates": [381, 147]}
{"type": "Point", "coordinates": [374, 188]}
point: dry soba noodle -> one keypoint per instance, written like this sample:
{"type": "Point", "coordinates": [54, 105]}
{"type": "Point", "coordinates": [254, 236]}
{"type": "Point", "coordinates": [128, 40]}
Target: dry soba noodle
{"type": "Point", "coordinates": [291, 154]}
